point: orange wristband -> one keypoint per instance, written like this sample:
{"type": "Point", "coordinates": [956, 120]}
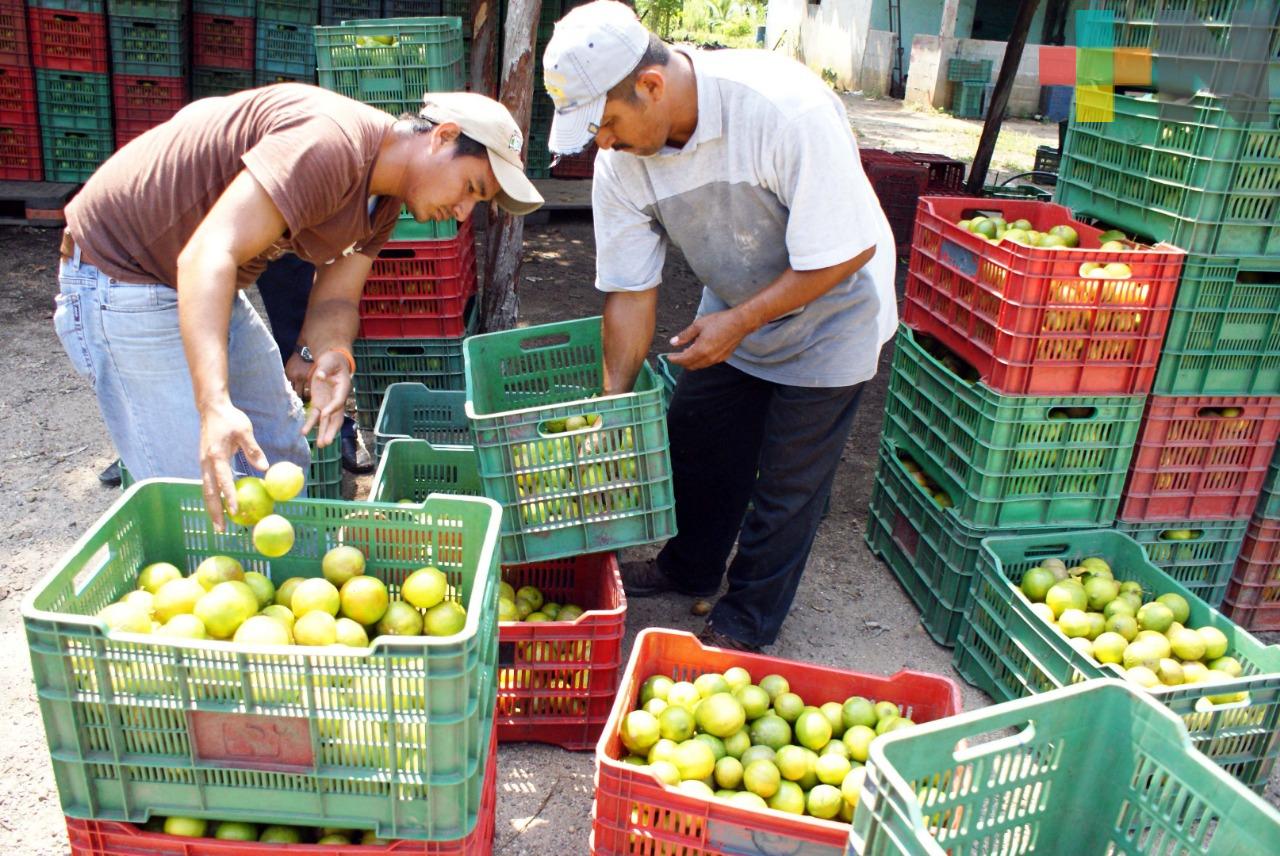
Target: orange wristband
{"type": "Point", "coordinates": [351, 361]}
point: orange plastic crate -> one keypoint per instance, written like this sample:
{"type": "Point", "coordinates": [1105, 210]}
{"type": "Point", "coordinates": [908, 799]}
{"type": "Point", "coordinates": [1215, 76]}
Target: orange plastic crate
{"type": "Point", "coordinates": [636, 814]}
{"type": "Point", "coordinates": [63, 40]}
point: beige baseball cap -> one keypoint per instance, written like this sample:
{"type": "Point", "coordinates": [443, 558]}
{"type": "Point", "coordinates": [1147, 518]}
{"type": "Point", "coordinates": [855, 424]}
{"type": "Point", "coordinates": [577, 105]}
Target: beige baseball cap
{"type": "Point", "coordinates": [489, 123]}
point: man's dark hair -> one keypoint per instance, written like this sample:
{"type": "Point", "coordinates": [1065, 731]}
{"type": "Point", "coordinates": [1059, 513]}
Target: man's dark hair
{"type": "Point", "coordinates": [464, 146]}
{"type": "Point", "coordinates": [656, 54]}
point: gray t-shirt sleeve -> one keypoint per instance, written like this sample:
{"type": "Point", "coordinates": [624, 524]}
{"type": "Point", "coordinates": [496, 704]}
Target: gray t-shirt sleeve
{"type": "Point", "coordinates": [830, 202]}
{"type": "Point", "coordinates": [630, 247]}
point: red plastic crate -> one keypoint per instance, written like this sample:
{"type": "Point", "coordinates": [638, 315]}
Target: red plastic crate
{"type": "Point", "coordinates": [17, 96]}
{"type": "Point", "coordinates": [581, 165]}
{"type": "Point", "coordinates": [141, 103]}
{"type": "Point", "coordinates": [1193, 463]}
{"type": "Point", "coordinates": [110, 838]}
{"type": "Point", "coordinates": [68, 41]}
{"type": "Point", "coordinates": [557, 679]}
{"type": "Point", "coordinates": [20, 153]}
{"type": "Point", "coordinates": [221, 42]}
{"type": "Point", "coordinates": [1253, 595]}
{"type": "Point", "coordinates": [420, 288]}
{"type": "Point", "coordinates": [635, 813]}
{"type": "Point", "coordinates": [1024, 317]}
{"type": "Point", "coordinates": [898, 184]}
{"type": "Point", "coordinates": [13, 34]}
{"type": "Point", "coordinates": [944, 173]}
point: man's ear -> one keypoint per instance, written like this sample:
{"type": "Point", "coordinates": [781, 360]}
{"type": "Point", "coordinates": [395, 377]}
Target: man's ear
{"type": "Point", "coordinates": [446, 132]}
{"type": "Point", "coordinates": [651, 82]}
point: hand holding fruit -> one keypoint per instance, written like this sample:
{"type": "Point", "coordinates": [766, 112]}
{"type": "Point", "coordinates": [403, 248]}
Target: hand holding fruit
{"type": "Point", "coordinates": [224, 430]}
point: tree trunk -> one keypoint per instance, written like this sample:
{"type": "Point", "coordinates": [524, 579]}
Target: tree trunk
{"type": "Point", "coordinates": [499, 304]}
{"type": "Point", "coordinates": [484, 47]}
{"type": "Point", "coordinates": [1000, 97]}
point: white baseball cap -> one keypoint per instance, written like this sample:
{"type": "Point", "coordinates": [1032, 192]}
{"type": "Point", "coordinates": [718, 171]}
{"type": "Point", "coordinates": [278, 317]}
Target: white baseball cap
{"type": "Point", "coordinates": [593, 48]}
{"type": "Point", "coordinates": [489, 123]}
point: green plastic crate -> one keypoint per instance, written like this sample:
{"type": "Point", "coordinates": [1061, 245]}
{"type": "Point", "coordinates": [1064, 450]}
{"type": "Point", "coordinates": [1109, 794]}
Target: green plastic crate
{"type": "Point", "coordinates": [670, 374]}
{"type": "Point", "coordinates": [224, 8]}
{"type": "Point", "coordinates": [284, 49]}
{"type": "Point", "coordinates": [304, 12]}
{"type": "Point", "coordinates": [149, 47]}
{"type": "Point", "coordinates": [1191, 175]}
{"type": "Point", "coordinates": [1224, 332]}
{"type": "Point", "coordinates": [1013, 460]}
{"type": "Point", "coordinates": [382, 362]}
{"type": "Point", "coordinates": [599, 488]}
{"type": "Point", "coordinates": [73, 100]}
{"type": "Point", "coordinates": [1202, 563]}
{"type": "Point", "coordinates": [394, 734]}
{"type": "Point", "coordinates": [409, 229]}
{"type": "Point", "coordinates": [1007, 651]}
{"type": "Point", "coordinates": [418, 412]}
{"type": "Point", "coordinates": [337, 11]}
{"type": "Point", "coordinates": [95, 6]}
{"type": "Point", "coordinates": [210, 82]}
{"type": "Point", "coordinates": [155, 10]}
{"type": "Point", "coordinates": [969, 70]}
{"type": "Point", "coordinates": [966, 100]}
{"type": "Point", "coordinates": [427, 57]}
{"type": "Point", "coordinates": [72, 155]}
{"type": "Point", "coordinates": [415, 469]}
{"type": "Point", "coordinates": [1097, 768]}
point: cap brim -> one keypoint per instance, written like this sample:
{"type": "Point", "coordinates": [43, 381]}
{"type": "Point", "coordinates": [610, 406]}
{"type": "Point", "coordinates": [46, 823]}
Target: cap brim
{"type": "Point", "coordinates": [571, 130]}
{"type": "Point", "coordinates": [517, 194]}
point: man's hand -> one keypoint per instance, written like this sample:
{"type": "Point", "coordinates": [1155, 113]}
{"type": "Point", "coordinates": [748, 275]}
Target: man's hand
{"type": "Point", "coordinates": [711, 339]}
{"type": "Point", "coordinates": [224, 430]}
{"type": "Point", "coordinates": [330, 386]}
{"type": "Point", "coordinates": [298, 371]}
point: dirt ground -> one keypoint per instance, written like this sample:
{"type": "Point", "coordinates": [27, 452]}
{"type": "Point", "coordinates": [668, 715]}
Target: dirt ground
{"type": "Point", "coordinates": [849, 612]}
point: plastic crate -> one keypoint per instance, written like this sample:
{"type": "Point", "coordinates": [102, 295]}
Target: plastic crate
{"type": "Point", "coordinates": [1055, 103]}
{"type": "Point", "coordinates": [1048, 160]}
{"type": "Point", "coordinates": [108, 838]}
{"type": "Point", "coordinates": [1269, 499]}
{"type": "Point", "coordinates": [603, 487]}
{"type": "Point", "coordinates": [154, 10]}
{"type": "Point", "coordinates": [72, 155]}
{"type": "Point", "coordinates": [285, 50]}
{"type": "Point", "coordinates": [324, 475]}
{"type": "Point", "coordinates": [412, 8]}
{"type": "Point", "coordinates": [969, 70]}
{"type": "Point", "coordinates": [1253, 595]}
{"type": "Point", "coordinates": [337, 11]}
{"type": "Point", "coordinates": [581, 165]}
{"type": "Point", "coordinates": [1011, 460]}
{"type": "Point", "coordinates": [304, 12]}
{"type": "Point", "coordinates": [427, 56]}
{"type": "Point", "coordinates": [1224, 333]}
{"type": "Point", "coordinates": [1193, 463]}
{"type": "Point", "coordinates": [420, 288]}
{"type": "Point", "coordinates": [211, 82]}
{"type": "Point", "coordinates": [412, 470]}
{"type": "Point", "coordinates": [391, 737]}
{"type": "Point", "coordinates": [14, 44]}
{"type": "Point", "coordinates": [223, 42]}
{"type": "Point", "coordinates": [1008, 651]}
{"type": "Point", "coordinates": [1098, 768]}
{"type": "Point", "coordinates": [944, 173]}
{"type": "Point", "coordinates": [635, 813]}
{"type": "Point", "coordinates": [415, 411]}
{"type": "Point", "coordinates": [898, 184]}
{"type": "Point", "coordinates": [1024, 317]}
{"type": "Point", "coordinates": [148, 47]}
{"type": "Point", "coordinates": [557, 679]}
{"type": "Point", "coordinates": [72, 100]}
{"type": "Point", "coordinates": [20, 153]}
{"type": "Point", "coordinates": [141, 103]}
{"type": "Point", "coordinates": [95, 6]}
{"type": "Point", "coordinates": [1201, 562]}
{"type": "Point", "coordinates": [968, 100]}
{"type": "Point", "coordinates": [225, 8]}
{"type": "Point", "coordinates": [262, 77]}
{"type": "Point", "coordinates": [17, 96]}
{"type": "Point", "coordinates": [64, 40]}
{"type": "Point", "coordinates": [409, 229]}
{"type": "Point", "coordinates": [1192, 175]}
{"type": "Point", "coordinates": [670, 373]}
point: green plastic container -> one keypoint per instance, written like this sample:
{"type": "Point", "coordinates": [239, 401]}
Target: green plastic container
{"type": "Point", "coordinates": [305, 12]}
{"type": "Point", "coordinates": [1010, 460]}
{"type": "Point", "coordinates": [224, 8]}
{"type": "Point", "coordinates": [155, 10]}
{"type": "Point", "coordinates": [394, 734]}
{"type": "Point", "coordinates": [73, 100]}
{"type": "Point", "coordinates": [418, 412]}
{"type": "Point", "coordinates": [73, 155]}
{"type": "Point", "coordinates": [426, 56]}
{"type": "Point", "coordinates": [602, 487]}
{"type": "Point", "coordinates": [966, 100]}
{"type": "Point", "coordinates": [1202, 562]}
{"type": "Point", "coordinates": [409, 229]}
{"type": "Point", "coordinates": [415, 469]}
{"type": "Point", "coordinates": [1096, 768]}
{"type": "Point", "coordinates": [1191, 175]}
{"type": "Point", "coordinates": [1269, 499]}
{"type": "Point", "coordinates": [670, 374]}
{"type": "Point", "coordinates": [150, 47]}
{"type": "Point", "coordinates": [1224, 332]}
{"type": "Point", "coordinates": [969, 70]}
{"type": "Point", "coordinates": [1007, 651]}
{"type": "Point", "coordinates": [284, 49]}
{"type": "Point", "coordinates": [209, 82]}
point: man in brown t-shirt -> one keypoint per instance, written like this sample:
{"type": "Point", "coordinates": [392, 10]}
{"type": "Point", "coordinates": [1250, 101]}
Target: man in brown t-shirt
{"type": "Point", "coordinates": [168, 232]}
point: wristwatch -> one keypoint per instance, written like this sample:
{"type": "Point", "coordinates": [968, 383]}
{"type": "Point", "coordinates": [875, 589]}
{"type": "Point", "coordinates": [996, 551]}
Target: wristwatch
{"type": "Point", "coordinates": [304, 352]}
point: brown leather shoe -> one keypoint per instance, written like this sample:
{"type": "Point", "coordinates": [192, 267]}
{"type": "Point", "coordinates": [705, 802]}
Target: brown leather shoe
{"type": "Point", "coordinates": [643, 578]}
{"type": "Point", "coordinates": [714, 638]}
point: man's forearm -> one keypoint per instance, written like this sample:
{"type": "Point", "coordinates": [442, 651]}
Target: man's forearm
{"type": "Point", "coordinates": [794, 289]}
{"type": "Point", "coordinates": [629, 320]}
{"type": "Point", "coordinates": [206, 287]}
{"type": "Point", "coordinates": [330, 323]}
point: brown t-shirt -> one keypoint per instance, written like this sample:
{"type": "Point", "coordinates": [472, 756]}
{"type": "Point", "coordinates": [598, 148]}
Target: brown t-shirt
{"type": "Point", "coordinates": [311, 150]}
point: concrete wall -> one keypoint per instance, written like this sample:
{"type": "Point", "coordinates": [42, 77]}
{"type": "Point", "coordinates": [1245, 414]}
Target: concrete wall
{"type": "Point", "coordinates": [927, 83]}
{"type": "Point", "coordinates": [877, 63]}
{"type": "Point", "coordinates": [831, 35]}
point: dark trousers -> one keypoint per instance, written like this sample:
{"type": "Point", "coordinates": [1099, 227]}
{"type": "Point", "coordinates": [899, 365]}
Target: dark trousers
{"type": "Point", "coordinates": [285, 287]}
{"type": "Point", "coordinates": [725, 426]}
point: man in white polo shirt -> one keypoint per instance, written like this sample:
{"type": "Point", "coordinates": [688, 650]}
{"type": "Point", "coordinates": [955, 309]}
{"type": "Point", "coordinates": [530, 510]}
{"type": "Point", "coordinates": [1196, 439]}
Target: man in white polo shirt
{"type": "Point", "coordinates": [745, 161]}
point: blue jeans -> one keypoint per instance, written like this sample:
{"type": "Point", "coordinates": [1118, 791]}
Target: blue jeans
{"type": "Point", "coordinates": [123, 338]}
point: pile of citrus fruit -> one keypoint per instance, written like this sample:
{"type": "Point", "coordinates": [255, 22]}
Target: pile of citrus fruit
{"type": "Point", "coordinates": [528, 604]}
{"type": "Point", "coordinates": [756, 745]}
{"type": "Point", "coordinates": [227, 830]}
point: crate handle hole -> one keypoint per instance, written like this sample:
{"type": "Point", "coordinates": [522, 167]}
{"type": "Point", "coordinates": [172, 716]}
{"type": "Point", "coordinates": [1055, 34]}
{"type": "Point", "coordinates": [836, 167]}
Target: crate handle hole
{"type": "Point", "coordinates": [974, 747]}
{"type": "Point", "coordinates": [1219, 413]}
{"type": "Point", "coordinates": [552, 428]}
{"type": "Point", "coordinates": [1191, 535]}
{"type": "Point", "coordinates": [949, 359]}
{"type": "Point", "coordinates": [406, 351]}
{"type": "Point", "coordinates": [551, 340]}
{"type": "Point", "coordinates": [1045, 551]}
{"type": "Point", "coordinates": [1058, 413]}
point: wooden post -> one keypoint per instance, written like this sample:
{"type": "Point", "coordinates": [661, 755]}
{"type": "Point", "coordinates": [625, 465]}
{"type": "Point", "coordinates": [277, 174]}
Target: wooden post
{"type": "Point", "coordinates": [499, 302]}
{"type": "Point", "coordinates": [1000, 96]}
{"type": "Point", "coordinates": [484, 47]}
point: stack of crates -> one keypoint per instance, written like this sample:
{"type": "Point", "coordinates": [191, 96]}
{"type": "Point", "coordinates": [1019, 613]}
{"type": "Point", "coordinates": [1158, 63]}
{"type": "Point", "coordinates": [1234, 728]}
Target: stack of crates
{"type": "Point", "coordinates": [1253, 594]}
{"type": "Point", "coordinates": [898, 183]}
{"type": "Point", "coordinates": [1200, 174]}
{"type": "Point", "coordinates": [223, 42]}
{"type": "Point", "coordinates": [19, 125]}
{"type": "Point", "coordinates": [284, 48]}
{"type": "Point", "coordinates": [150, 62]}
{"type": "Point", "coordinates": [537, 155]}
{"type": "Point", "coordinates": [69, 49]}
{"type": "Point", "coordinates": [946, 175]}
{"type": "Point", "coordinates": [1015, 395]}
{"type": "Point", "coordinates": [968, 93]}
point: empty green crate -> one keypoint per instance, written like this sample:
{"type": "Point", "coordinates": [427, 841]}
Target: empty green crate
{"type": "Point", "coordinates": [304, 12]}
{"type": "Point", "coordinates": [285, 49]}
{"type": "Point", "coordinates": [409, 229]}
{"type": "Point", "coordinates": [1224, 332]}
{"type": "Point", "coordinates": [427, 56]}
{"type": "Point", "coordinates": [966, 100]}
{"type": "Point", "coordinates": [71, 155]}
{"type": "Point", "coordinates": [155, 10]}
{"type": "Point", "coordinates": [412, 470]}
{"type": "Point", "coordinates": [1097, 768]}
{"type": "Point", "coordinates": [209, 82]}
{"type": "Point", "coordinates": [1008, 651]}
{"type": "Point", "coordinates": [393, 735]}
{"type": "Point", "coordinates": [1011, 460]}
{"type": "Point", "coordinates": [149, 47]}
{"type": "Point", "coordinates": [566, 491]}
{"type": "Point", "coordinates": [414, 411]}
{"type": "Point", "coordinates": [1191, 175]}
{"type": "Point", "coordinates": [382, 362]}
{"type": "Point", "coordinates": [1200, 554]}
{"type": "Point", "coordinates": [74, 101]}
{"type": "Point", "coordinates": [969, 70]}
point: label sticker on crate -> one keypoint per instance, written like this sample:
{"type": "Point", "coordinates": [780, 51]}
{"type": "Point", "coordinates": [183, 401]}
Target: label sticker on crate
{"type": "Point", "coordinates": [960, 258]}
{"type": "Point", "coordinates": [276, 743]}
{"type": "Point", "coordinates": [730, 838]}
